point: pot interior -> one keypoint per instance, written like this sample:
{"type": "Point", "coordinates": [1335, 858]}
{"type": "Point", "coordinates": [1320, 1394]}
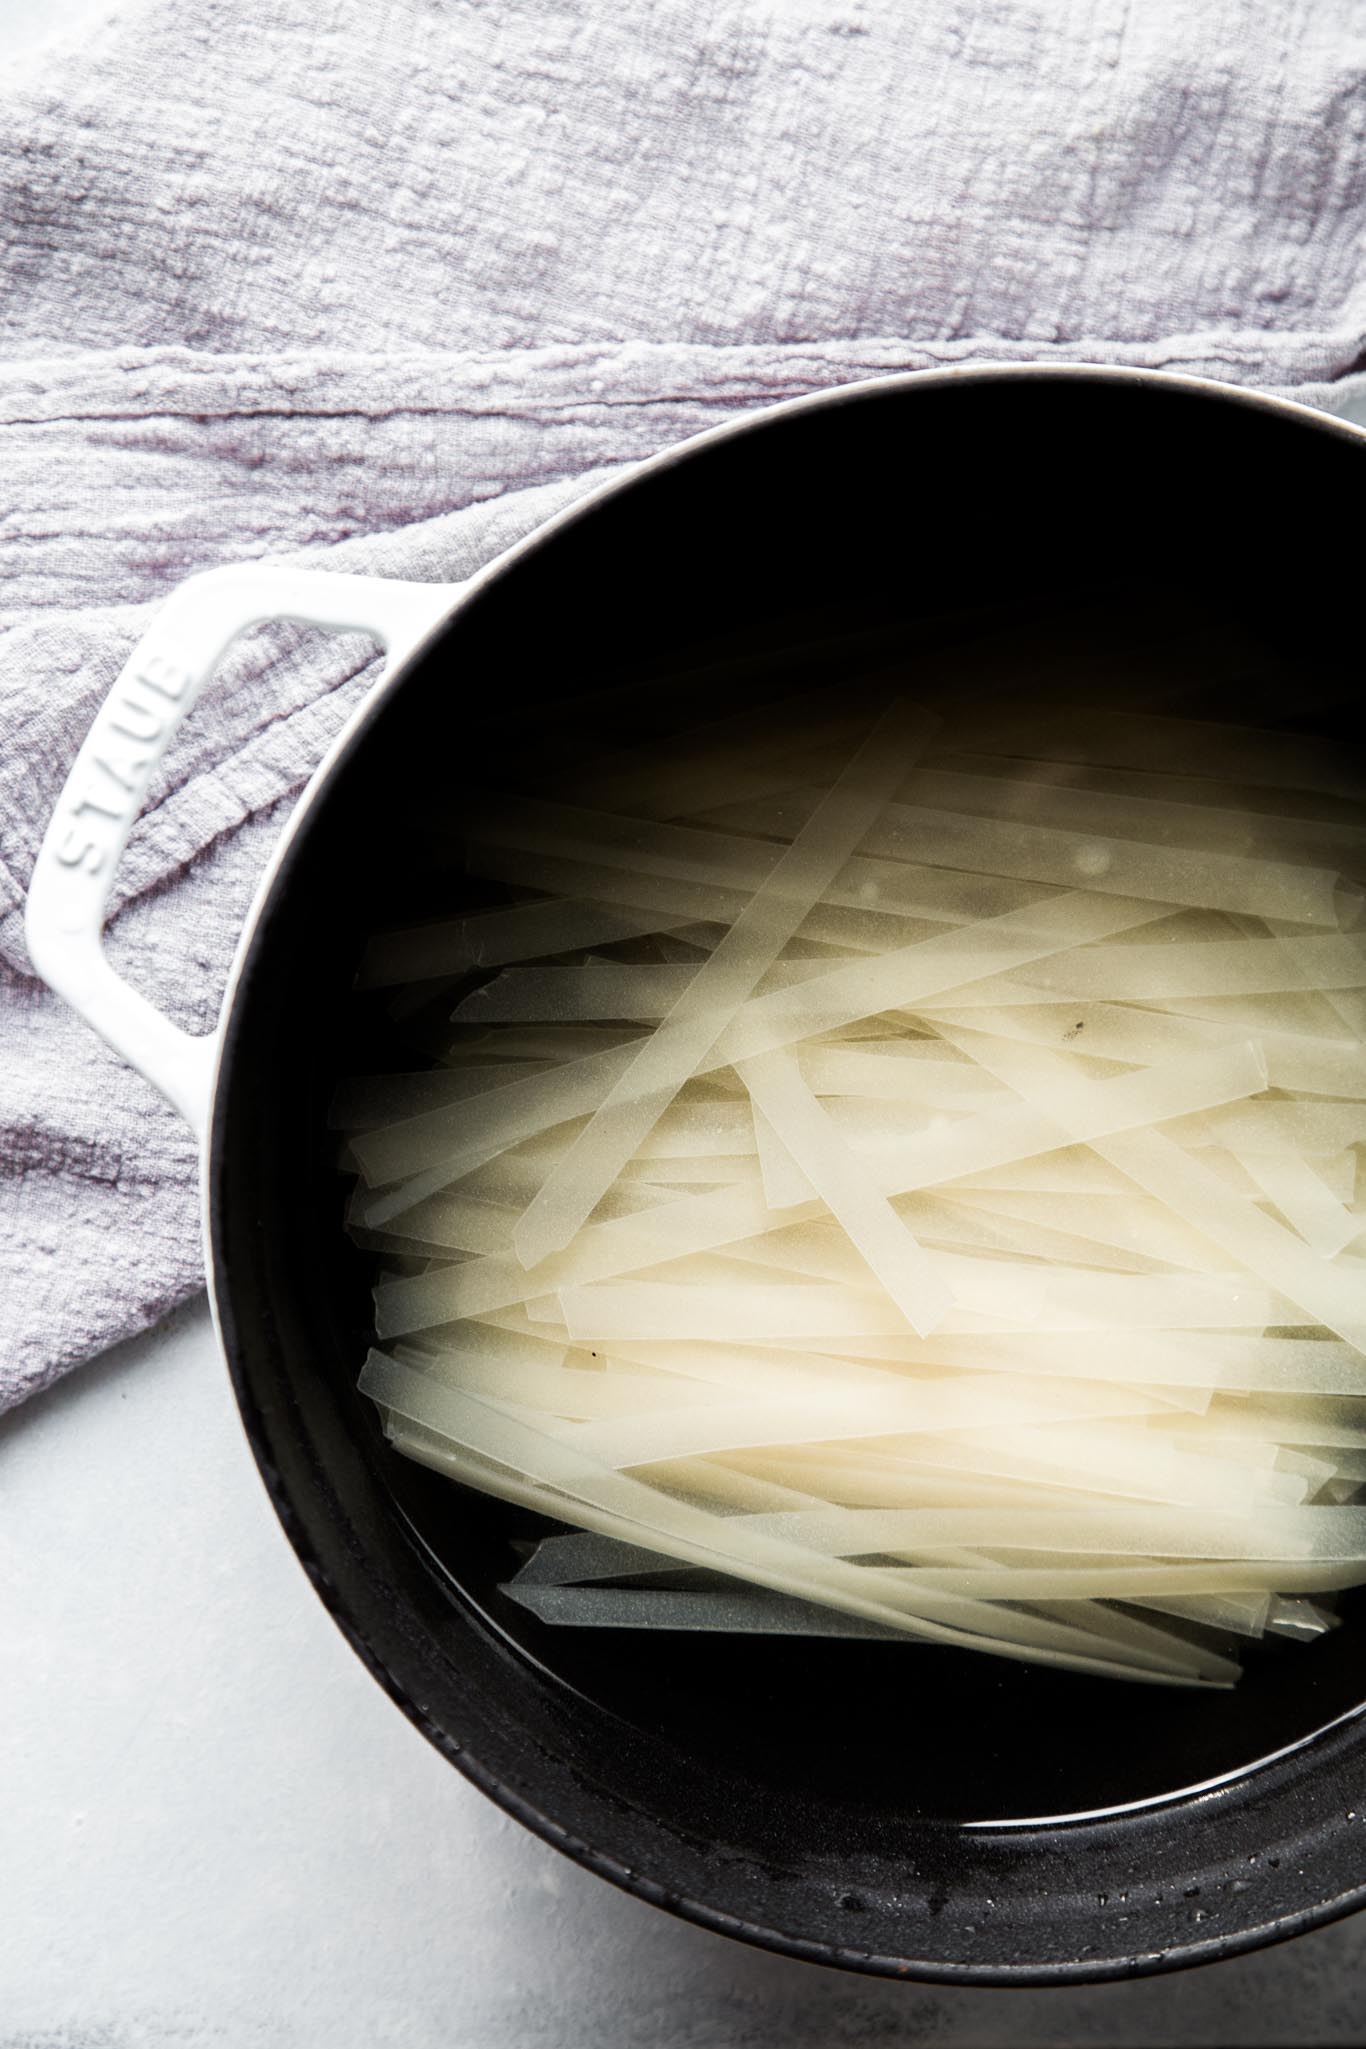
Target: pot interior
{"type": "Point", "coordinates": [925, 528]}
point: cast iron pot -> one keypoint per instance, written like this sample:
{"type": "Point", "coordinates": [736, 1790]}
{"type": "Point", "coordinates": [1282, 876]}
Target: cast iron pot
{"type": "Point", "coordinates": [914, 1811]}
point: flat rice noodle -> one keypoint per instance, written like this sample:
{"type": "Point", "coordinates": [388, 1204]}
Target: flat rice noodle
{"type": "Point", "coordinates": [772, 1369]}
{"type": "Point", "coordinates": [1331, 1535]}
{"type": "Point", "coordinates": [1128, 1226]}
{"type": "Point", "coordinates": [601, 1252]}
{"type": "Point", "coordinates": [862, 1476]}
{"type": "Point", "coordinates": [1296, 1618]}
{"type": "Point", "coordinates": [517, 1153]}
{"type": "Point", "coordinates": [757, 1613]}
{"type": "Point", "coordinates": [1337, 1171]}
{"type": "Point", "coordinates": [1238, 1614]}
{"type": "Point", "coordinates": [1071, 1170]}
{"type": "Point", "coordinates": [1131, 868]}
{"type": "Point", "coordinates": [681, 948]}
{"type": "Point", "coordinates": [454, 1141]}
{"type": "Point", "coordinates": [555, 1043]}
{"type": "Point", "coordinates": [820, 1253]}
{"type": "Point", "coordinates": [963, 1226]}
{"type": "Point", "coordinates": [912, 1278]}
{"type": "Point", "coordinates": [580, 1556]}
{"type": "Point", "coordinates": [412, 1244]}
{"type": "Point", "coordinates": [507, 1180]}
{"type": "Point", "coordinates": [1284, 761]}
{"type": "Point", "coordinates": [908, 975]}
{"type": "Point", "coordinates": [753, 1613]}
{"type": "Point", "coordinates": [1027, 791]}
{"type": "Point", "coordinates": [701, 1223]}
{"type": "Point", "coordinates": [785, 1185]}
{"type": "Point", "coordinates": [1312, 1129]}
{"type": "Point", "coordinates": [1296, 1013]}
{"type": "Point", "coordinates": [688, 1431]}
{"type": "Point", "coordinates": [443, 1349]}
{"type": "Point", "coordinates": [1098, 1373]}
{"type": "Point", "coordinates": [514, 837]}
{"type": "Point", "coordinates": [762, 1311]}
{"type": "Point", "coordinates": [1324, 1424]}
{"type": "Point", "coordinates": [846, 927]}
{"type": "Point", "coordinates": [1101, 1031]}
{"type": "Point", "coordinates": [1139, 1459]}
{"type": "Point", "coordinates": [1031, 1449]}
{"type": "Point", "coordinates": [1346, 1464]}
{"type": "Point", "coordinates": [1109, 1583]}
{"type": "Point", "coordinates": [723, 1169]}
{"type": "Point", "coordinates": [1093, 1460]}
{"type": "Point", "coordinates": [892, 1072]}
{"type": "Point", "coordinates": [563, 1392]}
{"type": "Point", "coordinates": [1212, 969]}
{"type": "Point", "coordinates": [970, 1224]}
{"type": "Point", "coordinates": [1303, 1199]}
{"type": "Point", "coordinates": [999, 1137]}
{"type": "Point", "coordinates": [953, 1475]}
{"type": "Point", "coordinates": [690, 1130]}
{"type": "Point", "coordinates": [486, 939]}
{"type": "Point", "coordinates": [1111, 1031]}
{"type": "Point", "coordinates": [1118, 1626]}
{"type": "Point", "coordinates": [1161, 820]}
{"type": "Point", "coordinates": [1349, 1005]}
{"type": "Point", "coordinates": [1326, 1291]}
{"type": "Point", "coordinates": [482, 1223]}
{"type": "Point", "coordinates": [505, 1458]}
{"type": "Point", "coordinates": [1246, 815]}
{"type": "Point", "coordinates": [1241, 1363]}
{"type": "Point", "coordinates": [598, 990]}
{"type": "Point", "coordinates": [449, 1223]}
{"type": "Point", "coordinates": [602, 989]}
{"type": "Point", "coordinates": [751, 1369]}
{"type": "Point", "coordinates": [691, 1029]}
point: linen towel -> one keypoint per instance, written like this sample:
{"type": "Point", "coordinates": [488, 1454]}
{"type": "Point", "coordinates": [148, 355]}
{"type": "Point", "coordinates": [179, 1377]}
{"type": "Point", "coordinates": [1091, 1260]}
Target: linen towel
{"type": "Point", "coordinates": [381, 286]}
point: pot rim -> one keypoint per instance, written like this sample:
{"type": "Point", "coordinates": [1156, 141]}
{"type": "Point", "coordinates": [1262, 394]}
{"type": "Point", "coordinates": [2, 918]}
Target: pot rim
{"type": "Point", "coordinates": [834, 395]}
{"type": "Point", "coordinates": [1219, 1944]}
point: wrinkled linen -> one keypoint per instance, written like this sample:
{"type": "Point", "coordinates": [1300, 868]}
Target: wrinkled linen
{"type": "Point", "coordinates": [381, 288]}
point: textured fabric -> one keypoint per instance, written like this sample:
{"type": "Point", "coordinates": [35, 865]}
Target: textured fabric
{"type": "Point", "coordinates": [379, 286]}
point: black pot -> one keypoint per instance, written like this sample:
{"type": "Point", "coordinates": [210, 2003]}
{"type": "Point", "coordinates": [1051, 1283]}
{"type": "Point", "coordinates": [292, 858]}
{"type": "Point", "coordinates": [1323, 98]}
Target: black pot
{"type": "Point", "coordinates": [913, 1811]}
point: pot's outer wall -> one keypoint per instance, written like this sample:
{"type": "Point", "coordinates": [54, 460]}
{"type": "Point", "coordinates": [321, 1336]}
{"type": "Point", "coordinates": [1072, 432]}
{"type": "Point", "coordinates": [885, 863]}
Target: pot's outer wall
{"type": "Point", "coordinates": [930, 493]}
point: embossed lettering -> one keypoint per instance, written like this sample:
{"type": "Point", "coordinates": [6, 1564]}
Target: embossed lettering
{"type": "Point", "coordinates": [126, 781]}
{"type": "Point", "coordinates": [125, 770]}
{"type": "Point", "coordinates": [164, 676]}
{"type": "Point", "coordinates": [76, 851]}
{"type": "Point", "coordinates": [137, 721]}
{"type": "Point", "coordinates": [100, 810]}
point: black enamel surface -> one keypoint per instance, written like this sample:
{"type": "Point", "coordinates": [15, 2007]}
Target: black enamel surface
{"type": "Point", "coordinates": [867, 1804]}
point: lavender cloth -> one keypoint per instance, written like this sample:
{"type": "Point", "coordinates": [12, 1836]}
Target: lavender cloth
{"type": "Point", "coordinates": [380, 287]}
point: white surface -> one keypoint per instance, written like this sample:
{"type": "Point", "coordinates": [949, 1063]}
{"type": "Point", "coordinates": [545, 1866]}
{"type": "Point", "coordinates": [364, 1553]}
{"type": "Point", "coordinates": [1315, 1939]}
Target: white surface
{"type": "Point", "coordinates": [214, 1828]}
{"type": "Point", "coordinates": [27, 24]}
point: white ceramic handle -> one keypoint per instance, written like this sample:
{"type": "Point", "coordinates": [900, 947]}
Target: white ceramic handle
{"type": "Point", "coordinates": [64, 915]}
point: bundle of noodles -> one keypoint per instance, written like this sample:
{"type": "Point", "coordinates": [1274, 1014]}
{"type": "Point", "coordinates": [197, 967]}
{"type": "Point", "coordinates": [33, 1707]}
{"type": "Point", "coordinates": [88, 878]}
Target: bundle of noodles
{"type": "Point", "coordinates": [904, 1167]}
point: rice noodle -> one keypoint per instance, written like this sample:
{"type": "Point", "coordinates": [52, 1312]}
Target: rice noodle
{"type": "Point", "coordinates": [912, 1200]}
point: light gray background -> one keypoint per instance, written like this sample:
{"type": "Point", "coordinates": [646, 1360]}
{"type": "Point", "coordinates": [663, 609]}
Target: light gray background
{"type": "Point", "coordinates": [214, 1829]}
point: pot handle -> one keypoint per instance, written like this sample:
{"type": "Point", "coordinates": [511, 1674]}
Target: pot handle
{"type": "Point", "coordinates": [74, 871]}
